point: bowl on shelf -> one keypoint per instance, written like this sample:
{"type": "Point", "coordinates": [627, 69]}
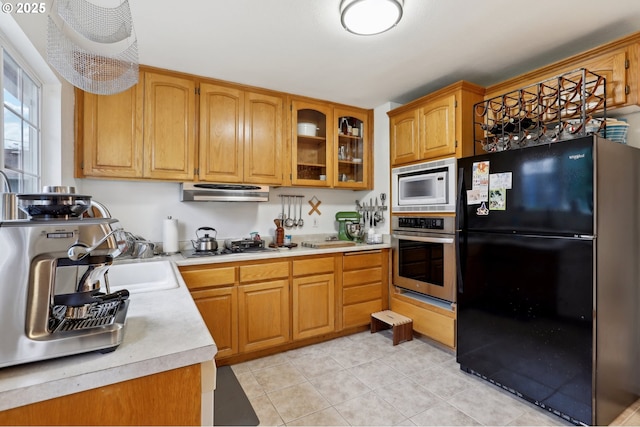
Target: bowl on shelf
{"type": "Point", "coordinates": [356, 160]}
{"type": "Point", "coordinates": [307, 129]}
{"type": "Point", "coordinates": [616, 131]}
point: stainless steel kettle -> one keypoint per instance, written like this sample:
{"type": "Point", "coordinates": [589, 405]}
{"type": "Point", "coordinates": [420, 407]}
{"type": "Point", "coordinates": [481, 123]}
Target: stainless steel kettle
{"type": "Point", "coordinates": [205, 243]}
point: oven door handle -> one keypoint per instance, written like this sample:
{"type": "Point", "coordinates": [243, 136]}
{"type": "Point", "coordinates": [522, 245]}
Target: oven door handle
{"type": "Point", "coordinates": [419, 238]}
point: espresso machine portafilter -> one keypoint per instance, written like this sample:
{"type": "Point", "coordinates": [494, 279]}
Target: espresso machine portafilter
{"type": "Point", "coordinates": [54, 291]}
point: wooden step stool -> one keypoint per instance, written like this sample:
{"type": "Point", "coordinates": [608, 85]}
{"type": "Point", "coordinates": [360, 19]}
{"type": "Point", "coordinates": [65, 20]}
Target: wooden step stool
{"type": "Point", "coordinates": [402, 326]}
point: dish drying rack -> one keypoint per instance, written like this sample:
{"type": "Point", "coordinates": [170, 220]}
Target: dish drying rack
{"type": "Point", "coordinates": [560, 108]}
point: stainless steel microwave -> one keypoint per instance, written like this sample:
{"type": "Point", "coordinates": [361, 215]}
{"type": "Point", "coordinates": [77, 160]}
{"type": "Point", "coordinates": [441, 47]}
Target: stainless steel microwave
{"type": "Point", "coordinates": [424, 187]}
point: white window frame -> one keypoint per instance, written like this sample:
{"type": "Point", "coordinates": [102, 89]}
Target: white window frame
{"type": "Point", "coordinates": [14, 40]}
{"type": "Point", "coordinates": [35, 173]}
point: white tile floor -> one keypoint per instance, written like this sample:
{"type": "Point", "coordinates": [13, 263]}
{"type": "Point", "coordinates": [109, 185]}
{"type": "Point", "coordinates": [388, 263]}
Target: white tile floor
{"type": "Point", "coordinates": [363, 379]}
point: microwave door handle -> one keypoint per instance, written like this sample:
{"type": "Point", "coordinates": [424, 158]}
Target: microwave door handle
{"type": "Point", "coordinates": [443, 240]}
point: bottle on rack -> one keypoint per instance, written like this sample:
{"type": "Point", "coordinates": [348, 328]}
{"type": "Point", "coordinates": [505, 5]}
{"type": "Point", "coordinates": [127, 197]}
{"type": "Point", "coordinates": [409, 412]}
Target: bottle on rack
{"type": "Point", "coordinates": [525, 123]}
{"type": "Point", "coordinates": [499, 128]}
{"type": "Point", "coordinates": [344, 126]}
{"type": "Point", "coordinates": [355, 128]}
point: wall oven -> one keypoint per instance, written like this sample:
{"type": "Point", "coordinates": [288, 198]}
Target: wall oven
{"type": "Point", "coordinates": [424, 257]}
{"type": "Point", "coordinates": [424, 187]}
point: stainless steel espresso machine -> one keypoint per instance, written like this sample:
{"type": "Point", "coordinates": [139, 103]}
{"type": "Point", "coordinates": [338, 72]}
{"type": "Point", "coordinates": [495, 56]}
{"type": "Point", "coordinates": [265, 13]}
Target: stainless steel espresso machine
{"type": "Point", "coordinates": [54, 290]}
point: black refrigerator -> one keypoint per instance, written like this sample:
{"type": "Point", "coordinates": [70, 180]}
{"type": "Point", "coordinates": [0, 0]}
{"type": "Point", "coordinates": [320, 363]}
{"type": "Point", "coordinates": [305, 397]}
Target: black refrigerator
{"type": "Point", "coordinates": [548, 300]}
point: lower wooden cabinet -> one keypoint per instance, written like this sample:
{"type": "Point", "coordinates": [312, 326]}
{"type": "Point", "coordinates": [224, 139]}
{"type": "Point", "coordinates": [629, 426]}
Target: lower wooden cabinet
{"type": "Point", "coordinates": [253, 306]}
{"type": "Point", "coordinates": [313, 302]}
{"type": "Point", "coordinates": [170, 398]}
{"type": "Point", "coordinates": [214, 290]}
{"type": "Point", "coordinates": [219, 310]}
{"type": "Point", "coordinates": [365, 283]}
{"type": "Point", "coordinates": [263, 314]}
{"type": "Point", "coordinates": [433, 322]}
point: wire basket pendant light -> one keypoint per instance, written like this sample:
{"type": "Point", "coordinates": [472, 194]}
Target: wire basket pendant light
{"type": "Point", "coordinates": [93, 47]}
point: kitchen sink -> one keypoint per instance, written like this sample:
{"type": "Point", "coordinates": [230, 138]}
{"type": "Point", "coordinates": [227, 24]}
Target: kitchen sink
{"type": "Point", "coordinates": [138, 277]}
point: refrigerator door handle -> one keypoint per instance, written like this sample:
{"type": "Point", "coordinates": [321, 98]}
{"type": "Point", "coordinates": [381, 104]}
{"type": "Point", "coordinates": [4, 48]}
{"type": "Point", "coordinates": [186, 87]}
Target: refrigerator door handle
{"type": "Point", "coordinates": [461, 202]}
{"type": "Point", "coordinates": [459, 279]}
{"type": "Point", "coordinates": [461, 212]}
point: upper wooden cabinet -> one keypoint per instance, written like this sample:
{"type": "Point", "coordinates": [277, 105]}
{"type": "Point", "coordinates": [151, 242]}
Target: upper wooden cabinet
{"type": "Point", "coordinates": [333, 148]}
{"type": "Point", "coordinates": [263, 139]}
{"type": "Point", "coordinates": [312, 148]}
{"type": "Point", "coordinates": [353, 151]}
{"type": "Point", "coordinates": [169, 127]}
{"type": "Point", "coordinates": [177, 127]}
{"type": "Point", "coordinates": [437, 127]}
{"type": "Point", "coordinates": [241, 136]}
{"type": "Point", "coordinates": [404, 129]}
{"type": "Point", "coordinates": [148, 131]}
{"type": "Point", "coordinates": [111, 133]}
{"type": "Point", "coordinates": [434, 126]}
{"type": "Point", "coordinates": [221, 133]}
{"type": "Point", "coordinates": [617, 61]}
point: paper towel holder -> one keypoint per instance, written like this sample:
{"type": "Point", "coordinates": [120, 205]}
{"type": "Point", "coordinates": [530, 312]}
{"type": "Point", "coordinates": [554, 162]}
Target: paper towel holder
{"type": "Point", "coordinates": [170, 243]}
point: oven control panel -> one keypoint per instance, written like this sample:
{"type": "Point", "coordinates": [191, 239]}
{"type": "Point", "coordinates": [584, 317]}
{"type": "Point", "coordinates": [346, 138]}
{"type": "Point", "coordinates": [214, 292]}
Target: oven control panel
{"type": "Point", "coordinates": [430, 223]}
{"type": "Point", "coordinates": [424, 223]}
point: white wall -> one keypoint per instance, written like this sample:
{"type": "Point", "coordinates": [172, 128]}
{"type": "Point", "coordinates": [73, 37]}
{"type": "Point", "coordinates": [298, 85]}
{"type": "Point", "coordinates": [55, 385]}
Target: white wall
{"type": "Point", "coordinates": [633, 135]}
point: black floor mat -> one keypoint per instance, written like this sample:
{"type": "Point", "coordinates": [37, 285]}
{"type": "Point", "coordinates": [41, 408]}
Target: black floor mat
{"type": "Point", "coordinates": [231, 407]}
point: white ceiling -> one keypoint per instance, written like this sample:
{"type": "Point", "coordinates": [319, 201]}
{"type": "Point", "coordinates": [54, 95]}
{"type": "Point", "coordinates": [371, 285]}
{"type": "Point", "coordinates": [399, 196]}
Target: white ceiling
{"type": "Point", "coordinates": [299, 46]}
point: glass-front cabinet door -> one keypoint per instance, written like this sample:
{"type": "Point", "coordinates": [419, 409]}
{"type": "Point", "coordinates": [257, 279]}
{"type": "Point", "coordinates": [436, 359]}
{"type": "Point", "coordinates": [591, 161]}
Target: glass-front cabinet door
{"type": "Point", "coordinates": [352, 149]}
{"type": "Point", "coordinates": [312, 144]}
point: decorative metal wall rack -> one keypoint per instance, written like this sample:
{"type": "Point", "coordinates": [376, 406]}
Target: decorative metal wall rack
{"type": "Point", "coordinates": [556, 109]}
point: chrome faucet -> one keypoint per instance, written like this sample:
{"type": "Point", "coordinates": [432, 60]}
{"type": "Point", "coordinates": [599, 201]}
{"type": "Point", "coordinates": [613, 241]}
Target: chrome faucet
{"type": "Point", "coordinates": [78, 250]}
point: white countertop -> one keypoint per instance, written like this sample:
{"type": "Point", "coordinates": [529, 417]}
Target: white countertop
{"type": "Point", "coordinates": [180, 260]}
{"type": "Point", "coordinates": [164, 331]}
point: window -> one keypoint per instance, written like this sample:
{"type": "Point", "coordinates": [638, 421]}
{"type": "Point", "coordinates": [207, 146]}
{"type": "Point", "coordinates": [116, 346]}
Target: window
{"type": "Point", "coordinates": [21, 126]}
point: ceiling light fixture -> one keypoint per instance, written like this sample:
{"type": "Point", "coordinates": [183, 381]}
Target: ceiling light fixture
{"type": "Point", "coordinates": [369, 17]}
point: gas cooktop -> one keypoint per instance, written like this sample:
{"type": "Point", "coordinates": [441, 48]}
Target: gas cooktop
{"type": "Point", "coordinates": [192, 253]}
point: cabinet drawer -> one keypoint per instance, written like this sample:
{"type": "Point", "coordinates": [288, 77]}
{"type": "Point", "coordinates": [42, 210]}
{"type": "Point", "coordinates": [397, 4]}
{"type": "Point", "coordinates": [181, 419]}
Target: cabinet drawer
{"type": "Point", "coordinates": [364, 293]}
{"type": "Point", "coordinates": [354, 261]}
{"type": "Point", "coordinates": [303, 267]}
{"type": "Point", "coordinates": [272, 270]}
{"type": "Point", "coordinates": [361, 277]}
{"type": "Point", "coordinates": [360, 314]}
{"type": "Point", "coordinates": [208, 277]}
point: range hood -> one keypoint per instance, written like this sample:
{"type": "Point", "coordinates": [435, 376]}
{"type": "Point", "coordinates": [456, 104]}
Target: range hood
{"type": "Point", "coordinates": [210, 192]}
